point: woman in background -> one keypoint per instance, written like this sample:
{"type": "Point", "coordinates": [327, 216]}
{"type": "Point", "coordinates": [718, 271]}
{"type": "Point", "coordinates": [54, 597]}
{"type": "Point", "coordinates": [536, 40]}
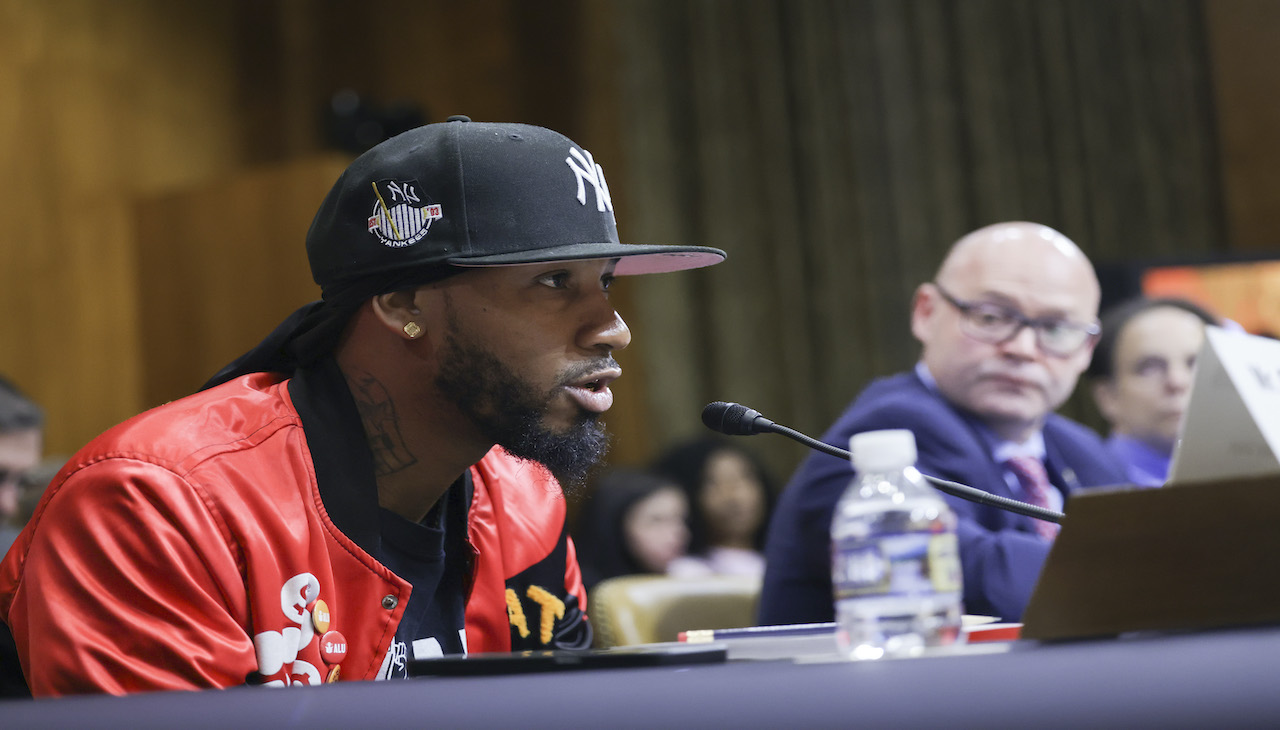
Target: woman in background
{"type": "Point", "coordinates": [1141, 372]}
{"type": "Point", "coordinates": [730, 496]}
{"type": "Point", "coordinates": [631, 522]}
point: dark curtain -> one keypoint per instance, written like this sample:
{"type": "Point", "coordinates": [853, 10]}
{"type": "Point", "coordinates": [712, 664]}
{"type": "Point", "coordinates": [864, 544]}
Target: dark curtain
{"type": "Point", "coordinates": [836, 148]}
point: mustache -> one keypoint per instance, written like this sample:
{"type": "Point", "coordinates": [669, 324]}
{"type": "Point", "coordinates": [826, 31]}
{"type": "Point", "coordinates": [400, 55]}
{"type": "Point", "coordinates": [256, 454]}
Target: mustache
{"type": "Point", "coordinates": [574, 373]}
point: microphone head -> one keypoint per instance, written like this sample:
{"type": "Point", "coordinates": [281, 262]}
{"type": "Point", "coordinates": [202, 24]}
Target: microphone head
{"type": "Point", "coordinates": [731, 418]}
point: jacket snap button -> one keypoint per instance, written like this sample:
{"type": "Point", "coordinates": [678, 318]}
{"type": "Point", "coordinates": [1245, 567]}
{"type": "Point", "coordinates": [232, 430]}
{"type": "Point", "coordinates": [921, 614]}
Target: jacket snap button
{"type": "Point", "coordinates": [389, 602]}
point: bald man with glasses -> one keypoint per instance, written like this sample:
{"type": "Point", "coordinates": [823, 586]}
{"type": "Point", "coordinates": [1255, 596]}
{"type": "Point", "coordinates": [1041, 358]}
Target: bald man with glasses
{"type": "Point", "coordinates": [1007, 326]}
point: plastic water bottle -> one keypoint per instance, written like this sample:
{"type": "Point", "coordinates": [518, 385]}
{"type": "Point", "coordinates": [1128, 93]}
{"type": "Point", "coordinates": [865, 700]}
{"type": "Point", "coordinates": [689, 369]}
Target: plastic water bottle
{"type": "Point", "coordinates": [895, 563]}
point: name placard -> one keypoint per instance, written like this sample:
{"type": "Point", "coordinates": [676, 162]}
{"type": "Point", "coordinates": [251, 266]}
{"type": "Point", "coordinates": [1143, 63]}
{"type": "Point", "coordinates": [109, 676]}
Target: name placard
{"type": "Point", "coordinates": [1232, 427]}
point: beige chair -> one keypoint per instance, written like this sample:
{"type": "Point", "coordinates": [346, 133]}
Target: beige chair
{"type": "Point", "coordinates": [642, 609]}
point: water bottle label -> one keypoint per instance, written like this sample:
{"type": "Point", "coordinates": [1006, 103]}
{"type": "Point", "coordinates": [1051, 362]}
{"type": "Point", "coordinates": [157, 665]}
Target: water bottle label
{"type": "Point", "coordinates": [910, 564]}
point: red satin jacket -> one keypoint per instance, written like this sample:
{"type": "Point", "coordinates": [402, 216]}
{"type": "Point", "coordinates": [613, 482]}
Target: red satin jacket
{"type": "Point", "coordinates": [189, 548]}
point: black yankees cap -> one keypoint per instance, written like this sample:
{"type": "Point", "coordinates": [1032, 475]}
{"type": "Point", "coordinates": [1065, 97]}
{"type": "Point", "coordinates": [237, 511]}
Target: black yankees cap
{"type": "Point", "coordinates": [463, 193]}
{"type": "Point", "coordinates": [427, 203]}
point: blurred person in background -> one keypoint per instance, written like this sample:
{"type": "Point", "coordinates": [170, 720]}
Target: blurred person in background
{"type": "Point", "coordinates": [21, 435]}
{"type": "Point", "coordinates": [1006, 327]}
{"type": "Point", "coordinates": [632, 522]}
{"type": "Point", "coordinates": [730, 496]}
{"type": "Point", "coordinates": [1141, 377]}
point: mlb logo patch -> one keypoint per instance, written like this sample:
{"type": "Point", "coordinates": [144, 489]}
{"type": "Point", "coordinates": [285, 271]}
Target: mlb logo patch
{"type": "Point", "coordinates": [400, 217]}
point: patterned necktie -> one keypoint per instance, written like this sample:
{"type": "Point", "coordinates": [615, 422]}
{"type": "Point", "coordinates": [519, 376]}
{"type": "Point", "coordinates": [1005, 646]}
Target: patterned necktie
{"type": "Point", "coordinates": [1035, 482]}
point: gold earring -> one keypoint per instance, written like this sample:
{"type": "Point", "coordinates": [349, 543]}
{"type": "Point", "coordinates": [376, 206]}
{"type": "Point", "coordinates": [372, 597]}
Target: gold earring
{"type": "Point", "coordinates": [412, 329]}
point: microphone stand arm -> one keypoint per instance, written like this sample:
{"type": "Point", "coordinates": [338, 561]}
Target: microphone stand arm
{"type": "Point", "coordinates": [955, 489]}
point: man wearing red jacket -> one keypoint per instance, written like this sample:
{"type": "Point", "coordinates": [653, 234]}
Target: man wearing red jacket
{"type": "Point", "coordinates": [379, 480]}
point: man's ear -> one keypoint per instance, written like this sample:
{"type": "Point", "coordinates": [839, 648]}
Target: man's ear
{"type": "Point", "coordinates": [922, 306]}
{"type": "Point", "coordinates": [400, 312]}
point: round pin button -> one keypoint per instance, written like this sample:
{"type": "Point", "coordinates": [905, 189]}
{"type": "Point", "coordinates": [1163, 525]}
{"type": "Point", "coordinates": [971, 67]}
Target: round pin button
{"type": "Point", "coordinates": [333, 674]}
{"type": "Point", "coordinates": [333, 647]}
{"type": "Point", "coordinates": [320, 616]}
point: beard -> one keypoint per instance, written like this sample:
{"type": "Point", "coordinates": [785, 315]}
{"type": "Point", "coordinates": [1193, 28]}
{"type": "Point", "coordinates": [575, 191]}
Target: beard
{"type": "Point", "coordinates": [510, 412]}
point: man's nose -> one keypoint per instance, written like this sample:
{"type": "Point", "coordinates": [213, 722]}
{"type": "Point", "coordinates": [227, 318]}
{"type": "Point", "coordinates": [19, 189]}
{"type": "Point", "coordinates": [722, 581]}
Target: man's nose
{"type": "Point", "coordinates": [609, 333]}
{"type": "Point", "coordinates": [1023, 343]}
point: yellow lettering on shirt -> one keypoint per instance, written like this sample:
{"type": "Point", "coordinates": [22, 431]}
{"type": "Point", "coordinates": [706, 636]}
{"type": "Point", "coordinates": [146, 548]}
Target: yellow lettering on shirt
{"type": "Point", "coordinates": [552, 609]}
{"type": "Point", "coordinates": [515, 614]}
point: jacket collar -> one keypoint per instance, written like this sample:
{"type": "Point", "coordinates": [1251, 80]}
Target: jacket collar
{"type": "Point", "coordinates": [339, 451]}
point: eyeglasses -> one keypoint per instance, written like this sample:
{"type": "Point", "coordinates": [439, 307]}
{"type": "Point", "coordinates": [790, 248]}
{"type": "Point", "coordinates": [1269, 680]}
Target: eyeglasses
{"type": "Point", "coordinates": [996, 324]}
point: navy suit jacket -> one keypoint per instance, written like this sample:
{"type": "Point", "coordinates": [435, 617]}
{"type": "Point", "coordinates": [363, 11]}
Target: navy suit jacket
{"type": "Point", "coordinates": [1000, 552]}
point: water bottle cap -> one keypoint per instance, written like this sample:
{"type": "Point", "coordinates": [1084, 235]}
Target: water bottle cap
{"type": "Point", "coordinates": [878, 451]}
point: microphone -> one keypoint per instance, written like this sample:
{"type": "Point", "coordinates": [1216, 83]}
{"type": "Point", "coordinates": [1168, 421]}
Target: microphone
{"type": "Point", "coordinates": [735, 419]}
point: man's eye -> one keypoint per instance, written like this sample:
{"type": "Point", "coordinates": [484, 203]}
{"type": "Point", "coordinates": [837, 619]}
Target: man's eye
{"type": "Point", "coordinates": [606, 281]}
{"type": "Point", "coordinates": [558, 280]}
{"type": "Point", "coordinates": [1055, 329]}
{"type": "Point", "coordinates": [985, 317]}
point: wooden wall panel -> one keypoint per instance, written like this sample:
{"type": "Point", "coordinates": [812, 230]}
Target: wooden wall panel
{"type": "Point", "coordinates": [99, 101]}
{"type": "Point", "coordinates": [239, 270]}
{"type": "Point", "coordinates": [1246, 79]}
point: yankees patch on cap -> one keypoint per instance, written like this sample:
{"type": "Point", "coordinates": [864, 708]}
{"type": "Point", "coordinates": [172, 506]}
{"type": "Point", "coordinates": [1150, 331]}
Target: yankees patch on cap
{"type": "Point", "coordinates": [463, 193]}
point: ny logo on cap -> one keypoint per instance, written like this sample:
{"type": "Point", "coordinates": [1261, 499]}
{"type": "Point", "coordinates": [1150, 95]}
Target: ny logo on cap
{"type": "Point", "coordinates": [586, 169]}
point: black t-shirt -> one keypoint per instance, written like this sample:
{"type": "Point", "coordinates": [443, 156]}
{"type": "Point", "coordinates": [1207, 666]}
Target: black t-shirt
{"type": "Point", "coordinates": [417, 552]}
